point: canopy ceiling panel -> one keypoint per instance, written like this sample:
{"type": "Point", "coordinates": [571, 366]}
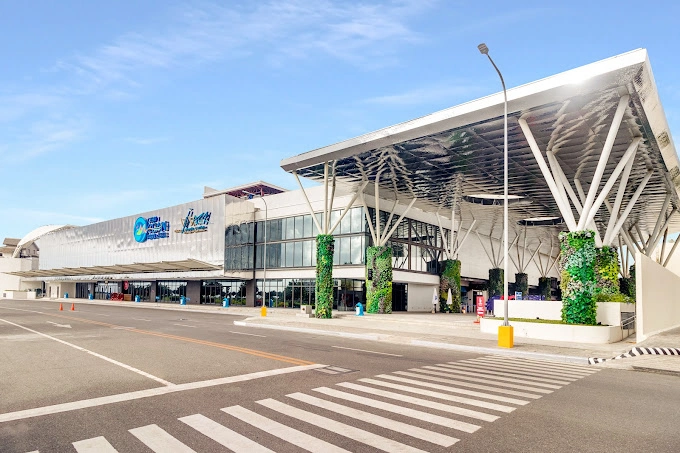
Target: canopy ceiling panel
{"type": "Point", "coordinates": [458, 152]}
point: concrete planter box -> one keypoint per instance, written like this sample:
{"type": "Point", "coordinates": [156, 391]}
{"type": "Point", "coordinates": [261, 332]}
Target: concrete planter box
{"type": "Point", "coordinates": [557, 332]}
{"type": "Point", "coordinates": [608, 313]}
{"type": "Point", "coordinates": [21, 295]}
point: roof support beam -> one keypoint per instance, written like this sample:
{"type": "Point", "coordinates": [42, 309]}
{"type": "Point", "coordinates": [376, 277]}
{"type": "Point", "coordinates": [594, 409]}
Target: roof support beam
{"type": "Point", "coordinates": [602, 163]}
{"type": "Point", "coordinates": [614, 212]}
{"type": "Point", "coordinates": [663, 245]}
{"type": "Point", "coordinates": [631, 203]}
{"type": "Point", "coordinates": [652, 244]}
{"type": "Point", "coordinates": [670, 254]}
{"type": "Point", "coordinates": [309, 205]}
{"type": "Point", "coordinates": [460, 244]}
{"type": "Point", "coordinates": [349, 206]}
{"type": "Point", "coordinates": [657, 227]}
{"type": "Point", "coordinates": [565, 210]}
{"type": "Point", "coordinates": [369, 220]}
{"type": "Point", "coordinates": [391, 232]}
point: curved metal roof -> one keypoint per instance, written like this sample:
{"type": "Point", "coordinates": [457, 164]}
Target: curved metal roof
{"type": "Point", "coordinates": [36, 234]}
{"type": "Point", "coordinates": [459, 151]}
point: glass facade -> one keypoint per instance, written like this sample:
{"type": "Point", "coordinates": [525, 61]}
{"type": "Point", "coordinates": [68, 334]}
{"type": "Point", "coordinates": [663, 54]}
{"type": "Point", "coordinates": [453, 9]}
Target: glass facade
{"type": "Point", "coordinates": [291, 293]}
{"type": "Point", "coordinates": [215, 291]}
{"type": "Point", "coordinates": [103, 290]}
{"type": "Point", "coordinates": [171, 291]}
{"type": "Point", "coordinates": [141, 289]}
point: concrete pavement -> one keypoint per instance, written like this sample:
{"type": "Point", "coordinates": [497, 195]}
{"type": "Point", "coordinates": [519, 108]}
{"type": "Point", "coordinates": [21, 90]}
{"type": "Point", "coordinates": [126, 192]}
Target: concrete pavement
{"type": "Point", "coordinates": [440, 330]}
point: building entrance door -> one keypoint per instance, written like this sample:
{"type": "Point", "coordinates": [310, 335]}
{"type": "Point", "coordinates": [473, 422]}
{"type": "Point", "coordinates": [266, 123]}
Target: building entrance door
{"type": "Point", "coordinates": [399, 296]}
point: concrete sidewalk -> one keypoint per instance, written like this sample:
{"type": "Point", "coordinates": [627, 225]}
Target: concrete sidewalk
{"type": "Point", "coordinates": [440, 330]}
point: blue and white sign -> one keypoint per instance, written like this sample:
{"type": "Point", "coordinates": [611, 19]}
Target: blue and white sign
{"type": "Point", "coordinates": [151, 228]}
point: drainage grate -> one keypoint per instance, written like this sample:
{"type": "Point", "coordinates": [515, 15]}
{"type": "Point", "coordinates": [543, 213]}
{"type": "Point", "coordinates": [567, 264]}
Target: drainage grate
{"type": "Point", "coordinates": [334, 370]}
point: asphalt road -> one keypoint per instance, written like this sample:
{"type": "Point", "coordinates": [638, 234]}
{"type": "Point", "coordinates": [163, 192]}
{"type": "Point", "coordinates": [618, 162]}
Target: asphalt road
{"type": "Point", "coordinates": [125, 379]}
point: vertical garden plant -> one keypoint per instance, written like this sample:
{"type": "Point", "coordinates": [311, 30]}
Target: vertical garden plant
{"type": "Point", "coordinates": [325, 244]}
{"type": "Point", "coordinates": [577, 269]}
{"type": "Point", "coordinates": [379, 285]}
{"type": "Point", "coordinates": [449, 279]}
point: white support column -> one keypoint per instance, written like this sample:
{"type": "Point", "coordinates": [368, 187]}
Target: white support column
{"type": "Point", "coordinates": [595, 206]}
{"type": "Point", "coordinates": [565, 210]}
{"type": "Point", "coordinates": [657, 227]}
{"type": "Point", "coordinates": [396, 225]}
{"type": "Point", "coordinates": [325, 198]}
{"type": "Point", "coordinates": [491, 260]}
{"type": "Point", "coordinates": [453, 225]}
{"type": "Point", "coordinates": [348, 207]}
{"type": "Point", "coordinates": [460, 244]}
{"type": "Point", "coordinates": [663, 245]}
{"type": "Point", "coordinates": [330, 208]}
{"type": "Point", "coordinates": [309, 205]}
{"type": "Point", "coordinates": [643, 243]}
{"type": "Point", "coordinates": [447, 253]}
{"type": "Point", "coordinates": [389, 219]}
{"type": "Point", "coordinates": [670, 254]}
{"type": "Point", "coordinates": [602, 163]}
{"type": "Point", "coordinates": [553, 263]}
{"type": "Point", "coordinates": [368, 219]}
{"type": "Point", "coordinates": [631, 203]}
{"type": "Point", "coordinates": [652, 244]}
{"type": "Point", "coordinates": [509, 247]}
{"type": "Point", "coordinates": [614, 212]}
{"type": "Point", "coordinates": [377, 205]}
{"type": "Point", "coordinates": [531, 258]}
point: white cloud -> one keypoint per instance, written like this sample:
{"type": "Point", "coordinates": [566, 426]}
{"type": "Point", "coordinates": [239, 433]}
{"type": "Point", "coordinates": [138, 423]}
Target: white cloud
{"type": "Point", "coordinates": [426, 95]}
{"type": "Point", "coordinates": [42, 137]}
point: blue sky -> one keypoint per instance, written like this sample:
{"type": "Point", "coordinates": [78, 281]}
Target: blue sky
{"type": "Point", "coordinates": [109, 109]}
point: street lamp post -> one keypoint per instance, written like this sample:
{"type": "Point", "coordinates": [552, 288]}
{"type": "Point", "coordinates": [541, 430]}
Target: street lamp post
{"type": "Point", "coordinates": [264, 258]}
{"type": "Point", "coordinates": [505, 329]}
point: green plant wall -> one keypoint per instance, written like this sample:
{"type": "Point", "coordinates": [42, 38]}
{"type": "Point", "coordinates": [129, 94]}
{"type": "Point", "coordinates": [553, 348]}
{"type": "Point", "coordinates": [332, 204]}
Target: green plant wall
{"type": "Point", "coordinates": [627, 285]}
{"type": "Point", "coordinates": [449, 278]}
{"type": "Point", "coordinates": [325, 246]}
{"type": "Point", "coordinates": [607, 270]}
{"type": "Point", "coordinates": [577, 269]}
{"type": "Point", "coordinates": [544, 288]}
{"type": "Point", "coordinates": [522, 284]}
{"type": "Point", "coordinates": [495, 282]}
{"type": "Point", "coordinates": [379, 287]}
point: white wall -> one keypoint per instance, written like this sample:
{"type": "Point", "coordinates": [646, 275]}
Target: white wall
{"type": "Point", "coordinates": [657, 291]}
{"type": "Point", "coordinates": [12, 282]}
{"type": "Point", "coordinates": [420, 297]}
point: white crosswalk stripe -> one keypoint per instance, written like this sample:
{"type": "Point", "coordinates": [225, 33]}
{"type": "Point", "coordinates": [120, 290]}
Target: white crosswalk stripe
{"type": "Point", "coordinates": [293, 436]}
{"type": "Point", "coordinates": [223, 435]}
{"type": "Point", "coordinates": [415, 373]}
{"type": "Point", "coordinates": [361, 435]}
{"type": "Point", "coordinates": [410, 430]}
{"type": "Point", "coordinates": [159, 441]}
{"type": "Point", "coordinates": [94, 445]}
{"type": "Point", "coordinates": [484, 388]}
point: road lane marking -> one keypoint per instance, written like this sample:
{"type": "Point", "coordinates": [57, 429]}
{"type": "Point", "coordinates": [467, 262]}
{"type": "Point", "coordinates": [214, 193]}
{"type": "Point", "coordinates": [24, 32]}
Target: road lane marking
{"type": "Point", "coordinates": [158, 440]}
{"type": "Point", "coordinates": [223, 435]}
{"type": "Point", "coordinates": [439, 395]}
{"type": "Point", "coordinates": [357, 434]}
{"type": "Point", "coordinates": [254, 352]}
{"type": "Point", "coordinates": [94, 445]}
{"type": "Point", "coordinates": [491, 372]}
{"type": "Point", "coordinates": [103, 357]}
{"type": "Point", "coordinates": [290, 435]}
{"type": "Point", "coordinates": [525, 369]}
{"type": "Point", "coordinates": [250, 334]}
{"type": "Point", "coordinates": [141, 319]}
{"type": "Point", "coordinates": [364, 350]}
{"type": "Point", "coordinates": [421, 402]}
{"type": "Point", "coordinates": [103, 400]}
{"type": "Point", "coordinates": [492, 377]}
{"type": "Point", "coordinates": [184, 325]}
{"type": "Point", "coordinates": [402, 428]}
{"type": "Point", "coordinates": [66, 326]}
{"type": "Point", "coordinates": [544, 365]}
{"type": "Point", "coordinates": [401, 410]}
{"type": "Point", "coordinates": [473, 378]}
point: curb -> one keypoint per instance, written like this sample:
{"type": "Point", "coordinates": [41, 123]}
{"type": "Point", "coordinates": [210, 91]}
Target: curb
{"type": "Point", "coordinates": [426, 344]}
{"type": "Point", "coordinates": [638, 352]}
{"type": "Point", "coordinates": [151, 305]}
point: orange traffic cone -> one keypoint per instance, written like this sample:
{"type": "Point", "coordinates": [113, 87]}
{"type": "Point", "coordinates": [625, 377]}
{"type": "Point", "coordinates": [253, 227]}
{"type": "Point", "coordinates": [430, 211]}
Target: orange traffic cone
{"type": "Point", "coordinates": [73, 307]}
{"type": "Point", "coordinates": [61, 308]}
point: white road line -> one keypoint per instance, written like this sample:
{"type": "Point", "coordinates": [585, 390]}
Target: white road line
{"type": "Point", "coordinates": [474, 378]}
{"type": "Point", "coordinates": [94, 445]}
{"type": "Point", "coordinates": [364, 350]}
{"type": "Point", "coordinates": [223, 435]}
{"type": "Point", "coordinates": [542, 364]}
{"type": "Point", "coordinates": [448, 388]}
{"type": "Point", "coordinates": [416, 374]}
{"type": "Point", "coordinates": [158, 440]}
{"type": "Point", "coordinates": [110, 360]}
{"type": "Point", "coordinates": [421, 402]}
{"type": "Point", "coordinates": [101, 401]}
{"type": "Point", "coordinates": [537, 375]}
{"type": "Point", "coordinates": [439, 395]}
{"type": "Point", "coordinates": [491, 376]}
{"type": "Point", "coordinates": [290, 435]}
{"type": "Point", "coordinates": [403, 428]}
{"type": "Point", "coordinates": [526, 369]}
{"type": "Point", "coordinates": [357, 434]}
{"type": "Point", "coordinates": [401, 410]}
{"type": "Point", "coordinates": [486, 369]}
{"type": "Point", "coordinates": [249, 334]}
{"type": "Point", "coordinates": [141, 319]}
{"type": "Point", "coordinates": [184, 325]}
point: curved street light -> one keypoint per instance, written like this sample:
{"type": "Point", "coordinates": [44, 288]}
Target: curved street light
{"type": "Point", "coordinates": [485, 51]}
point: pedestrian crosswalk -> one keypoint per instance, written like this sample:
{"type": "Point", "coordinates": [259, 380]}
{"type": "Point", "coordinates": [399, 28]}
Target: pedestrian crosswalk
{"type": "Point", "coordinates": [420, 409]}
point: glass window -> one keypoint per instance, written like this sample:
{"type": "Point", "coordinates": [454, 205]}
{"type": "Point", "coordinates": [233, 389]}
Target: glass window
{"type": "Point", "coordinates": [335, 215]}
{"type": "Point", "coordinates": [357, 220]}
{"type": "Point", "coordinates": [297, 254]}
{"type": "Point", "coordinates": [299, 227]}
{"type": "Point", "coordinates": [319, 218]}
{"type": "Point", "coordinates": [336, 251]}
{"type": "Point", "coordinates": [345, 251]}
{"type": "Point", "coordinates": [314, 253]}
{"type": "Point", "coordinates": [346, 224]}
{"type": "Point", "coordinates": [307, 227]}
{"type": "Point", "coordinates": [307, 253]}
{"type": "Point", "coordinates": [290, 254]}
{"type": "Point", "coordinates": [274, 233]}
{"type": "Point", "coordinates": [357, 249]}
{"type": "Point", "coordinates": [289, 228]}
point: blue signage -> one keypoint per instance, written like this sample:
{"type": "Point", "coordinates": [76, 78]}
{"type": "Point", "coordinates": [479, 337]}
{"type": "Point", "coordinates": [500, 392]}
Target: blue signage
{"type": "Point", "coordinates": [151, 228]}
{"type": "Point", "coordinates": [197, 223]}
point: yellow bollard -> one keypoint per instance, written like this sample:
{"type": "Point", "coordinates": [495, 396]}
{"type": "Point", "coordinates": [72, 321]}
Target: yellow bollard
{"type": "Point", "coordinates": [505, 337]}
{"type": "Point", "coordinates": [264, 310]}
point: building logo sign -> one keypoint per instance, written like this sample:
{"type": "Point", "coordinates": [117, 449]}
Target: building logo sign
{"type": "Point", "coordinates": [195, 223]}
{"type": "Point", "coordinates": [151, 228]}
